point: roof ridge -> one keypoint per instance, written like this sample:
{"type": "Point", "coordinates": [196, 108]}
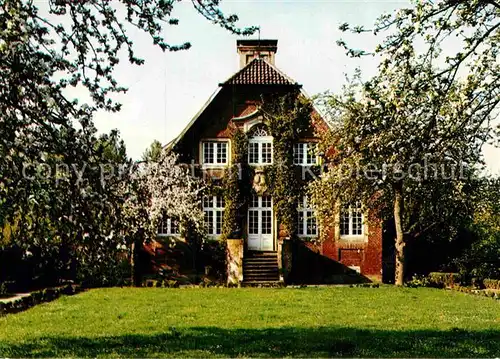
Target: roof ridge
{"type": "Point", "coordinates": [237, 72]}
{"type": "Point", "coordinates": [261, 76]}
{"type": "Point", "coordinates": [280, 72]}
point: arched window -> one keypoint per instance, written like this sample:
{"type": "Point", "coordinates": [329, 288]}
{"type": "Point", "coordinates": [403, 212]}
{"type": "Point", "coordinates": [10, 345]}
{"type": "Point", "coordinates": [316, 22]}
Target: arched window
{"type": "Point", "coordinates": [259, 130]}
{"type": "Point", "coordinates": [260, 146]}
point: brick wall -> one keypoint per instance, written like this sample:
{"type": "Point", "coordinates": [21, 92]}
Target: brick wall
{"type": "Point", "coordinates": [365, 254]}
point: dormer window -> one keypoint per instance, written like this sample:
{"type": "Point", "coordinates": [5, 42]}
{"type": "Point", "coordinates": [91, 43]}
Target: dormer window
{"type": "Point", "coordinates": [304, 154]}
{"type": "Point", "coordinates": [260, 146]}
{"type": "Point", "coordinates": [215, 153]}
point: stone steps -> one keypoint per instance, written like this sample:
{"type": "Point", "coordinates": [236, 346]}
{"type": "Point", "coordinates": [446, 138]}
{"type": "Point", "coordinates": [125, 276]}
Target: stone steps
{"type": "Point", "coordinates": [260, 268]}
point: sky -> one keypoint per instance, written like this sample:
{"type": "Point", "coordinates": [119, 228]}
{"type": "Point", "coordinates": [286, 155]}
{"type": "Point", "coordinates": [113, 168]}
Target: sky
{"type": "Point", "coordinates": [169, 89]}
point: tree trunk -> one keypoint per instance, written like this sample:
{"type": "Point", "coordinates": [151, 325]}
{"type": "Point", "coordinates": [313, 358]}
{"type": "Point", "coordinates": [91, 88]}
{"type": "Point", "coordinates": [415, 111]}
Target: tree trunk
{"type": "Point", "coordinates": [132, 264]}
{"type": "Point", "coordinates": [136, 260]}
{"type": "Point", "coordinates": [400, 244]}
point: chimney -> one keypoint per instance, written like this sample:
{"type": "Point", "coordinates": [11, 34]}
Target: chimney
{"type": "Point", "coordinates": [250, 49]}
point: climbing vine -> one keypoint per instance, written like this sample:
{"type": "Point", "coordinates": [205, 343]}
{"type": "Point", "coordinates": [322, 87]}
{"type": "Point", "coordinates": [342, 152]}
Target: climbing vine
{"type": "Point", "coordinates": [287, 118]}
{"type": "Point", "coordinates": [231, 226]}
{"type": "Point", "coordinates": [235, 183]}
{"type": "Point", "coordinates": [239, 146]}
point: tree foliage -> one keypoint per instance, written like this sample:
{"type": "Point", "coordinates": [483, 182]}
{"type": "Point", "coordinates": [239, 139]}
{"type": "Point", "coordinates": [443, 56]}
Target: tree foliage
{"type": "Point", "coordinates": [174, 192]}
{"type": "Point", "coordinates": [153, 153]}
{"type": "Point", "coordinates": [426, 109]}
{"type": "Point", "coordinates": [64, 212]}
{"type": "Point", "coordinates": [456, 39]}
{"type": "Point", "coordinates": [63, 187]}
{"type": "Point", "coordinates": [155, 191]}
{"type": "Point", "coordinates": [382, 157]}
{"type": "Point", "coordinates": [481, 258]}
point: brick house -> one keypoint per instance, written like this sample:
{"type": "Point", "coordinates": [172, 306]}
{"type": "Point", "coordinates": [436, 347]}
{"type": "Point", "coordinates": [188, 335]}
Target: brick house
{"type": "Point", "coordinates": [351, 250]}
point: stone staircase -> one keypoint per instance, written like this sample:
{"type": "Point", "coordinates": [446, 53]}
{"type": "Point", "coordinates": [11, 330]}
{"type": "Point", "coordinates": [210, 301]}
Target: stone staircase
{"type": "Point", "coordinates": [260, 268]}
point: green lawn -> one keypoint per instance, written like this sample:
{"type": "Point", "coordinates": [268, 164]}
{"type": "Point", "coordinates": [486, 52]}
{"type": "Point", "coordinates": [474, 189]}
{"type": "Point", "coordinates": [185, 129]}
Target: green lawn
{"type": "Point", "coordinates": [368, 322]}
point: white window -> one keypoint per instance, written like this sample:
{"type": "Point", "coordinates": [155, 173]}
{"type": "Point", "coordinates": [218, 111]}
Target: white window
{"type": "Point", "coordinates": [213, 209]}
{"type": "Point", "coordinates": [168, 227]}
{"type": "Point", "coordinates": [304, 154]}
{"type": "Point", "coordinates": [260, 215]}
{"type": "Point", "coordinates": [260, 147]}
{"type": "Point", "coordinates": [306, 219]}
{"type": "Point", "coordinates": [215, 152]}
{"type": "Point", "coordinates": [351, 220]}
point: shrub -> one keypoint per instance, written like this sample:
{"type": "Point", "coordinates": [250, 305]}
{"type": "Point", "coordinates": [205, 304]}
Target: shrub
{"type": "Point", "coordinates": [443, 280]}
{"type": "Point", "coordinates": [214, 260]}
{"type": "Point", "coordinates": [114, 270]}
{"type": "Point", "coordinates": [170, 283]}
{"type": "Point", "coordinates": [418, 281]}
{"type": "Point", "coordinates": [477, 283]}
{"type": "Point", "coordinates": [462, 289]}
{"type": "Point", "coordinates": [482, 258]}
{"type": "Point", "coordinates": [69, 289]}
{"type": "Point", "coordinates": [49, 294]}
{"type": "Point", "coordinates": [492, 283]}
{"type": "Point", "coordinates": [3, 289]}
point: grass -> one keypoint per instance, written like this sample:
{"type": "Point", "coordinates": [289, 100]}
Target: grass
{"type": "Point", "coordinates": [309, 322]}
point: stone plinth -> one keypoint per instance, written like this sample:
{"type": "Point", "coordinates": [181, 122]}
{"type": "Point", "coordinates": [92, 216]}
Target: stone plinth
{"type": "Point", "coordinates": [234, 261]}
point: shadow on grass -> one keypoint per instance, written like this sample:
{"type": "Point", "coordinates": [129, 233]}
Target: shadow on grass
{"type": "Point", "coordinates": [272, 342]}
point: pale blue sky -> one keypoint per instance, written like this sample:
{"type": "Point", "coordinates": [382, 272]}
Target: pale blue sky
{"type": "Point", "coordinates": [169, 89]}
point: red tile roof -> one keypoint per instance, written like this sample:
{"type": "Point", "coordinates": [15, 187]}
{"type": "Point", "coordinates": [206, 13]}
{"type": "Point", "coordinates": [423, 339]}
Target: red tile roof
{"type": "Point", "coordinates": [249, 109]}
{"type": "Point", "coordinates": [259, 72]}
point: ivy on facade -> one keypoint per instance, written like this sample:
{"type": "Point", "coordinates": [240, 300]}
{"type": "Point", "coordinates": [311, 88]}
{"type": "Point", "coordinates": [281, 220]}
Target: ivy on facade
{"type": "Point", "coordinates": [236, 190]}
{"type": "Point", "coordinates": [287, 118]}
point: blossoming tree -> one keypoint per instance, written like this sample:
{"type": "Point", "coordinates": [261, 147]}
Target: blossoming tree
{"type": "Point", "coordinates": [158, 189]}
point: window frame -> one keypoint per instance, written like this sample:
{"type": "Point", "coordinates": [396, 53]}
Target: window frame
{"type": "Point", "coordinates": [303, 208]}
{"type": "Point", "coordinates": [214, 142]}
{"type": "Point", "coordinates": [304, 155]}
{"type": "Point", "coordinates": [259, 141]}
{"type": "Point", "coordinates": [351, 211]}
{"type": "Point", "coordinates": [259, 209]}
{"type": "Point", "coordinates": [214, 209]}
{"type": "Point", "coordinates": [169, 232]}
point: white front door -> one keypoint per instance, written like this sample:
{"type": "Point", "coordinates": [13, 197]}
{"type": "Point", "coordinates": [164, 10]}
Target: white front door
{"type": "Point", "coordinates": [260, 224]}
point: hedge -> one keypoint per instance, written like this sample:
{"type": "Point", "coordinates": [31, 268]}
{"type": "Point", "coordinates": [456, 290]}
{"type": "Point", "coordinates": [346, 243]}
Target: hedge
{"type": "Point", "coordinates": [481, 292]}
{"type": "Point", "coordinates": [443, 280]}
{"type": "Point", "coordinates": [37, 297]}
{"type": "Point", "coordinates": [492, 283]}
